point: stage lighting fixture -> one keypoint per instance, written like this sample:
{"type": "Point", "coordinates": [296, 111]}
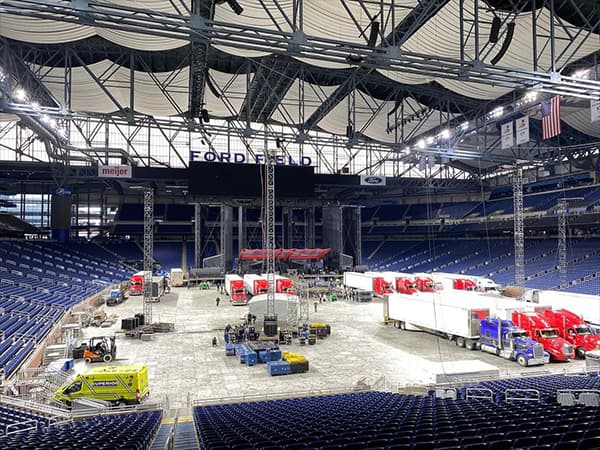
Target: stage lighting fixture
{"type": "Point", "coordinates": [204, 115]}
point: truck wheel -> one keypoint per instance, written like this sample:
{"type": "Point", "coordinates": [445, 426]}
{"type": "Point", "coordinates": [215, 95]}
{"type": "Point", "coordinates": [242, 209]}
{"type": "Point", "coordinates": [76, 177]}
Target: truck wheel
{"type": "Point", "coordinates": [470, 344]}
{"type": "Point", "coordinates": [522, 360]}
{"type": "Point", "coordinates": [107, 357]}
{"type": "Point", "coordinates": [460, 341]}
{"type": "Point", "coordinates": [396, 324]}
{"type": "Point", "coordinates": [88, 360]}
{"type": "Point", "coordinates": [580, 352]}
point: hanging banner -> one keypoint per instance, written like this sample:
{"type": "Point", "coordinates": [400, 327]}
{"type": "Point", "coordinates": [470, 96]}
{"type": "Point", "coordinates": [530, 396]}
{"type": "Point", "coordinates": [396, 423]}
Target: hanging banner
{"type": "Point", "coordinates": [507, 135]}
{"type": "Point", "coordinates": [595, 107]}
{"type": "Point", "coordinates": [522, 130]}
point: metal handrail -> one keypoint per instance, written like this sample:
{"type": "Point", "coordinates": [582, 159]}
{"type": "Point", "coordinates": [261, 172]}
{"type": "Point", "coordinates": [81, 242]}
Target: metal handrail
{"type": "Point", "coordinates": [34, 426]}
{"type": "Point", "coordinates": [508, 392]}
{"type": "Point", "coordinates": [34, 406]}
{"type": "Point", "coordinates": [278, 395]}
{"type": "Point", "coordinates": [484, 394]}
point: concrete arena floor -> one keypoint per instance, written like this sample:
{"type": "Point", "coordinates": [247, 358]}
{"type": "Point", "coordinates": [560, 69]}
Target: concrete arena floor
{"type": "Point", "coordinates": [183, 364]}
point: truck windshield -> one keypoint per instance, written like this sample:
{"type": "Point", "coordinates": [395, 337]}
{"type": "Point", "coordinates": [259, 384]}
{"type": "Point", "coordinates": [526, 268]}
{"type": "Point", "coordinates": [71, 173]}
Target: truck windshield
{"type": "Point", "coordinates": [583, 330]}
{"type": "Point", "coordinates": [518, 334]}
{"type": "Point", "coordinates": [549, 333]}
{"type": "Point", "coordinates": [75, 387]}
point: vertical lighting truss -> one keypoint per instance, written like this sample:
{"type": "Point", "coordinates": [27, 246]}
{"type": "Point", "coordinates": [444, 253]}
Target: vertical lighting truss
{"type": "Point", "coordinates": [562, 241]}
{"type": "Point", "coordinates": [197, 235]}
{"type": "Point", "coordinates": [270, 228]}
{"type": "Point", "coordinates": [148, 252]}
{"type": "Point", "coordinates": [518, 231]}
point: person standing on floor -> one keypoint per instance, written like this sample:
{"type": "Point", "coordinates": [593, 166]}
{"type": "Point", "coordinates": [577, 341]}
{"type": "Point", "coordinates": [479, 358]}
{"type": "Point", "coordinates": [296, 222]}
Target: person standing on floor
{"type": "Point", "coordinates": [316, 305]}
{"type": "Point", "coordinates": [218, 300]}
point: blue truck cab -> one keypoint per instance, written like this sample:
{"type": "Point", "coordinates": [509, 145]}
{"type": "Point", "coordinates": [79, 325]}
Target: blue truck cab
{"type": "Point", "coordinates": [515, 344]}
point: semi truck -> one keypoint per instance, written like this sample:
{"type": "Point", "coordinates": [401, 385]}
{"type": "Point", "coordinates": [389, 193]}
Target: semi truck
{"type": "Point", "coordinates": [586, 306]}
{"type": "Point", "coordinates": [401, 283]}
{"type": "Point", "coordinates": [450, 281]}
{"type": "Point", "coordinates": [369, 281]}
{"type": "Point", "coordinates": [234, 287]}
{"type": "Point", "coordinates": [538, 328]}
{"type": "Point", "coordinates": [256, 284]}
{"type": "Point", "coordinates": [119, 385]}
{"type": "Point", "coordinates": [283, 285]}
{"type": "Point", "coordinates": [513, 344]}
{"type": "Point", "coordinates": [574, 330]}
{"type": "Point", "coordinates": [136, 283]}
{"type": "Point", "coordinates": [468, 282]}
{"type": "Point", "coordinates": [468, 323]}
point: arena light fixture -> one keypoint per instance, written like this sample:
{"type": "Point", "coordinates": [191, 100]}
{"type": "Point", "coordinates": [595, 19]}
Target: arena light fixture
{"type": "Point", "coordinates": [582, 74]}
{"type": "Point", "coordinates": [421, 143]}
{"type": "Point", "coordinates": [445, 134]}
{"type": "Point", "coordinates": [464, 126]}
{"type": "Point", "coordinates": [20, 94]}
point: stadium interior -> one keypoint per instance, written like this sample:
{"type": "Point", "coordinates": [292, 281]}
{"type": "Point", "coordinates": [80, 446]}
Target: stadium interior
{"type": "Point", "coordinates": [300, 224]}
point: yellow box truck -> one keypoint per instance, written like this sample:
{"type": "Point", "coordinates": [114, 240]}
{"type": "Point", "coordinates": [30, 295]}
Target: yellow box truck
{"type": "Point", "coordinates": [120, 385]}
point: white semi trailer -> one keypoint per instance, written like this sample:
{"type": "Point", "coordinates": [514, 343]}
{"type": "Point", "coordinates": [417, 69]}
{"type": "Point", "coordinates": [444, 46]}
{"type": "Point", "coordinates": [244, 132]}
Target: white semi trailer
{"type": "Point", "coordinates": [457, 320]}
{"type": "Point", "coordinates": [586, 306]}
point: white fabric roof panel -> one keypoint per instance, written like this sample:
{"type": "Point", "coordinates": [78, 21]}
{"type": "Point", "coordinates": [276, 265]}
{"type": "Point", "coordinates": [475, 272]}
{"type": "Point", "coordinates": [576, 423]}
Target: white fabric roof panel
{"type": "Point", "coordinates": [376, 127]}
{"type": "Point", "coordinates": [234, 91]}
{"type": "Point", "coordinates": [580, 119]}
{"type": "Point", "coordinates": [314, 95]}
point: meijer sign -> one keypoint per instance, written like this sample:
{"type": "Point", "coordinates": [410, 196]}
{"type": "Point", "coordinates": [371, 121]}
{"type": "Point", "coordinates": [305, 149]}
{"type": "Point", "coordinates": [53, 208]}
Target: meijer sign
{"type": "Point", "coordinates": [114, 171]}
{"type": "Point", "coordinates": [241, 158]}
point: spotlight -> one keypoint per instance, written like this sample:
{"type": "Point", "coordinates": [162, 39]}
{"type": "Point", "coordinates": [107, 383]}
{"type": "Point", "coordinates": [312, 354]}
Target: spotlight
{"type": "Point", "coordinates": [354, 59]}
{"type": "Point", "coordinates": [421, 144]}
{"type": "Point", "coordinates": [373, 34]}
{"type": "Point", "coordinates": [445, 134]}
{"type": "Point", "coordinates": [35, 106]}
{"type": "Point", "coordinates": [20, 94]}
{"type": "Point", "coordinates": [349, 131]}
{"type": "Point", "coordinates": [235, 7]}
{"type": "Point", "coordinates": [204, 115]}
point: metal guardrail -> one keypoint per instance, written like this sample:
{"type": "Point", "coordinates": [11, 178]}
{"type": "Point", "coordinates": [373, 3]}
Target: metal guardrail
{"type": "Point", "coordinates": [34, 406]}
{"type": "Point", "coordinates": [279, 396]}
{"type": "Point", "coordinates": [522, 395]}
{"type": "Point", "coordinates": [479, 394]}
{"type": "Point", "coordinates": [8, 430]}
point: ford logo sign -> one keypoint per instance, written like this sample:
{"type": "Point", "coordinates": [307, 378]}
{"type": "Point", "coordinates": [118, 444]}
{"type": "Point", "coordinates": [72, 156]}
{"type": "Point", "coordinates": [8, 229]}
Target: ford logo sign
{"type": "Point", "coordinates": [373, 180]}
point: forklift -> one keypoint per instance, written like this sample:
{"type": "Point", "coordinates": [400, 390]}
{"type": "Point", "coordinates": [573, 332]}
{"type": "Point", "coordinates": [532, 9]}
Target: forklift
{"type": "Point", "coordinates": [102, 348]}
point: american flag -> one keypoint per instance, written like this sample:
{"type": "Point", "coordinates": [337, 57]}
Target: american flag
{"type": "Point", "coordinates": [551, 117]}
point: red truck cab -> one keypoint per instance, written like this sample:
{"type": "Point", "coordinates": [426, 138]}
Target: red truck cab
{"type": "Point", "coordinates": [463, 284]}
{"type": "Point", "coordinates": [238, 293]}
{"type": "Point", "coordinates": [405, 286]}
{"type": "Point", "coordinates": [574, 330]}
{"type": "Point", "coordinates": [424, 284]}
{"type": "Point", "coordinates": [284, 286]}
{"type": "Point", "coordinates": [538, 329]}
{"type": "Point", "coordinates": [381, 287]}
